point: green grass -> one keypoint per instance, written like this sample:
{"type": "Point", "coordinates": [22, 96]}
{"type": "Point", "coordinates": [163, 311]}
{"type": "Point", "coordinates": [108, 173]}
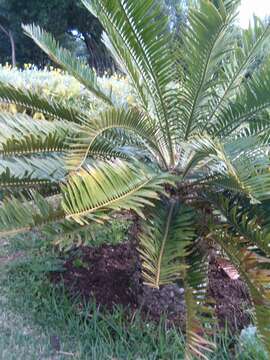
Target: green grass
{"type": "Point", "coordinates": [33, 311]}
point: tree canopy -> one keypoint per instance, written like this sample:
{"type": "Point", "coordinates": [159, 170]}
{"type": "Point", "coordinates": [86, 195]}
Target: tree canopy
{"type": "Point", "coordinates": [68, 21]}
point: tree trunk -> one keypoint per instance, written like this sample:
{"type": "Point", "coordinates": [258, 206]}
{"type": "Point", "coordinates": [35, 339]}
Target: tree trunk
{"type": "Point", "coordinates": [99, 57]}
{"type": "Point", "coordinates": [8, 33]}
{"type": "Point", "coordinates": [13, 49]}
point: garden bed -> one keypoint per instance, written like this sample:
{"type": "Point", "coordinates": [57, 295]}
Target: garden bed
{"type": "Point", "coordinates": [110, 276]}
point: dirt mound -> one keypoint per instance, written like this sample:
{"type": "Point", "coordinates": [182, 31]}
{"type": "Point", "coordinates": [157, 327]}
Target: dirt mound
{"type": "Point", "coordinates": [110, 275]}
{"type": "Point", "coordinates": [231, 298]}
{"type": "Point", "coordinates": [105, 273]}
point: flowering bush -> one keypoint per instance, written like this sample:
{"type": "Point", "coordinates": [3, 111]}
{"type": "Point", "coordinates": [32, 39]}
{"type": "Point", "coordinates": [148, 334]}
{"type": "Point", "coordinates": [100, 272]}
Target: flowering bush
{"type": "Point", "coordinates": [54, 82]}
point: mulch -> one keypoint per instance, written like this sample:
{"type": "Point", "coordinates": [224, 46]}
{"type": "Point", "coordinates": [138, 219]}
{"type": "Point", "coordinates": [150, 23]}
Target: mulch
{"type": "Point", "coordinates": [110, 276]}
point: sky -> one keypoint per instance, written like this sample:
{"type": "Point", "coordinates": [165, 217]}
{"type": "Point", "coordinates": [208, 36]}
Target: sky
{"type": "Point", "coordinates": [261, 8]}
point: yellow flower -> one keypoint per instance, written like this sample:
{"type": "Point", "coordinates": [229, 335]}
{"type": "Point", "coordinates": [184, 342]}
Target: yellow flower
{"type": "Point", "coordinates": [13, 109]}
{"type": "Point", "coordinates": [38, 116]}
{"type": "Point", "coordinates": [130, 99]}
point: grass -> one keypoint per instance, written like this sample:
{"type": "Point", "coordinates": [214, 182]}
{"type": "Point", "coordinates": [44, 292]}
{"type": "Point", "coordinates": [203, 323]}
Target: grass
{"type": "Point", "coordinates": [38, 321]}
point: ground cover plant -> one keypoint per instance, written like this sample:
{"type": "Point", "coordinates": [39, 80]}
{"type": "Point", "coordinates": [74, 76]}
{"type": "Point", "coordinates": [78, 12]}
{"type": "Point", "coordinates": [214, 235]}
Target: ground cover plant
{"type": "Point", "coordinates": [187, 157]}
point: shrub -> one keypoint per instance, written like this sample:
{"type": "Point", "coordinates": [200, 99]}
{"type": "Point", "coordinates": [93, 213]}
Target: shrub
{"type": "Point", "coordinates": [187, 152]}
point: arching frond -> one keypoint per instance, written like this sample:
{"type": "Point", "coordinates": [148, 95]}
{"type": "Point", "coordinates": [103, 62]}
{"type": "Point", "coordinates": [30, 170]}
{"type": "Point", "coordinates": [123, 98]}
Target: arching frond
{"type": "Point", "coordinates": [240, 165]}
{"type": "Point", "coordinates": [207, 39]}
{"type": "Point", "coordinates": [141, 29]}
{"type": "Point", "coordinates": [95, 190]}
{"type": "Point", "coordinates": [19, 215]}
{"type": "Point", "coordinates": [253, 97]}
{"type": "Point", "coordinates": [242, 222]}
{"type": "Point", "coordinates": [253, 41]}
{"type": "Point", "coordinates": [33, 101]}
{"type": "Point", "coordinates": [21, 135]}
{"type": "Point", "coordinates": [254, 270]}
{"type": "Point", "coordinates": [132, 122]}
{"type": "Point", "coordinates": [74, 66]}
{"type": "Point", "coordinates": [127, 65]}
{"type": "Point", "coordinates": [164, 236]}
{"type": "Point", "coordinates": [32, 171]}
{"type": "Point", "coordinates": [199, 310]}
{"type": "Point", "coordinates": [9, 181]}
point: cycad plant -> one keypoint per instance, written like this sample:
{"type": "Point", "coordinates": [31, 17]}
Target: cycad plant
{"type": "Point", "coordinates": [189, 156]}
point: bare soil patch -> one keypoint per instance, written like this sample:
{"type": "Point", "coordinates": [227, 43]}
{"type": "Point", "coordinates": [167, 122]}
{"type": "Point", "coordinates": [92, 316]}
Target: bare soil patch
{"type": "Point", "coordinates": [110, 275]}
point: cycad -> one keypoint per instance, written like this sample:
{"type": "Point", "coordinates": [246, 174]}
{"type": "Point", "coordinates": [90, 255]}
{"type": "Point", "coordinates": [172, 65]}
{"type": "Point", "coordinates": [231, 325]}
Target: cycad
{"type": "Point", "coordinates": [190, 157]}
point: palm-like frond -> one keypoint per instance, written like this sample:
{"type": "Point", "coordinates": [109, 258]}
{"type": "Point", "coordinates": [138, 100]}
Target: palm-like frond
{"type": "Point", "coordinates": [127, 65]}
{"type": "Point", "coordinates": [165, 235]}
{"type": "Point", "coordinates": [242, 222]}
{"type": "Point", "coordinates": [145, 39]}
{"type": "Point", "coordinates": [95, 190]}
{"type": "Point", "coordinates": [252, 99]}
{"type": "Point", "coordinates": [34, 102]}
{"type": "Point", "coordinates": [199, 310]}
{"type": "Point", "coordinates": [19, 215]}
{"type": "Point", "coordinates": [207, 39]}
{"type": "Point", "coordinates": [253, 40]}
{"type": "Point", "coordinates": [31, 152]}
{"type": "Point", "coordinates": [240, 165]}
{"type": "Point", "coordinates": [135, 124]}
{"type": "Point", "coordinates": [32, 171]}
{"type": "Point", "coordinates": [21, 135]}
{"type": "Point", "coordinates": [254, 269]}
{"type": "Point", "coordinates": [188, 136]}
{"type": "Point", "coordinates": [67, 61]}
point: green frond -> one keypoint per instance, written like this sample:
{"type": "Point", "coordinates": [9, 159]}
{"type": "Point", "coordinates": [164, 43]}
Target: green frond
{"type": "Point", "coordinates": [146, 41]}
{"type": "Point", "coordinates": [242, 222]}
{"type": "Point", "coordinates": [253, 98]}
{"type": "Point", "coordinates": [163, 239]}
{"type": "Point", "coordinates": [258, 127]}
{"type": "Point", "coordinates": [207, 40]}
{"type": "Point", "coordinates": [127, 65]}
{"type": "Point", "coordinates": [74, 66]}
{"type": "Point", "coordinates": [10, 181]}
{"type": "Point", "coordinates": [199, 310]}
{"type": "Point", "coordinates": [21, 135]}
{"type": "Point", "coordinates": [37, 103]}
{"type": "Point", "coordinates": [132, 123]}
{"type": "Point", "coordinates": [240, 165]}
{"type": "Point", "coordinates": [68, 234]}
{"type": "Point", "coordinates": [30, 144]}
{"type": "Point", "coordinates": [19, 215]}
{"type": "Point", "coordinates": [252, 42]}
{"type": "Point", "coordinates": [32, 171]}
{"type": "Point", "coordinates": [92, 192]}
{"type": "Point", "coordinates": [254, 270]}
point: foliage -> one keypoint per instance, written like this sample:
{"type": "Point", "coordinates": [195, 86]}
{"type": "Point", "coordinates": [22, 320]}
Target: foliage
{"type": "Point", "coordinates": [68, 20]}
{"type": "Point", "coordinates": [189, 156]}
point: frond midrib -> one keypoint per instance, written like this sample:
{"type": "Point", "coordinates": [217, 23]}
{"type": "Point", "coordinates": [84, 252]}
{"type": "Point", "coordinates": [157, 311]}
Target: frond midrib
{"type": "Point", "coordinates": [222, 28]}
{"type": "Point", "coordinates": [123, 126]}
{"type": "Point", "coordinates": [109, 202]}
{"type": "Point", "coordinates": [213, 113]}
{"type": "Point", "coordinates": [164, 240]}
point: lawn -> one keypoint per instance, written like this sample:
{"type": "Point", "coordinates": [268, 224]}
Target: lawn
{"type": "Point", "coordinates": [39, 321]}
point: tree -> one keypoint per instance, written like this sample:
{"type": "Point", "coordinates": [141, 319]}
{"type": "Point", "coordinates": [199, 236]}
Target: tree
{"type": "Point", "coordinates": [5, 28]}
{"type": "Point", "coordinates": [68, 19]}
{"type": "Point", "coordinates": [191, 159]}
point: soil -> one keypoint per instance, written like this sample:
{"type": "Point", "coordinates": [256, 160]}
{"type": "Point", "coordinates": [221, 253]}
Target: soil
{"type": "Point", "coordinates": [232, 301]}
{"type": "Point", "coordinates": [110, 275]}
